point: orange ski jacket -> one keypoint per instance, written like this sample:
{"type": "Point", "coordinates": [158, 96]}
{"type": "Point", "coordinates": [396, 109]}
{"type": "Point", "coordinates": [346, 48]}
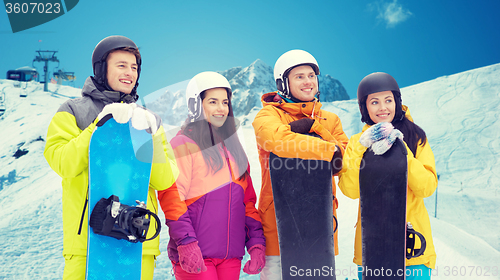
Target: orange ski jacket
{"type": "Point", "coordinates": [273, 134]}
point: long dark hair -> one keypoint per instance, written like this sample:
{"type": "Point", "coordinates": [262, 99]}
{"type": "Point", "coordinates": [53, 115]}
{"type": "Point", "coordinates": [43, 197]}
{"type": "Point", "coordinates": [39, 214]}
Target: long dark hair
{"type": "Point", "coordinates": [205, 135]}
{"type": "Point", "coordinates": [413, 134]}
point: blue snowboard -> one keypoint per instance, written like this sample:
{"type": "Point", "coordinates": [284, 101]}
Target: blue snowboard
{"type": "Point", "coordinates": [303, 202]}
{"type": "Point", "coordinates": [382, 187]}
{"type": "Point", "coordinates": [120, 159]}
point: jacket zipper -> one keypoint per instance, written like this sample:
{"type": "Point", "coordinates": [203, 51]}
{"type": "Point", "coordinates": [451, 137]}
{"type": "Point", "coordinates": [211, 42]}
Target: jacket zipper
{"type": "Point", "coordinates": [83, 212]}
{"type": "Point", "coordinates": [229, 202]}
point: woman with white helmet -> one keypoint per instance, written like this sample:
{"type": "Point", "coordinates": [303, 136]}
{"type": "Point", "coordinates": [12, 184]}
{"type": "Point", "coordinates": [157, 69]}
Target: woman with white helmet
{"type": "Point", "coordinates": [211, 211]}
{"type": "Point", "coordinates": [280, 127]}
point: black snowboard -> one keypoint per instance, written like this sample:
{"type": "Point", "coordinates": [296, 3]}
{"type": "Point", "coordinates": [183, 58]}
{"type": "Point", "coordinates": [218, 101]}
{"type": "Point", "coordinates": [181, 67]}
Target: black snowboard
{"type": "Point", "coordinates": [383, 184]}
{"type": "Point", "coordinates": [303, 202]}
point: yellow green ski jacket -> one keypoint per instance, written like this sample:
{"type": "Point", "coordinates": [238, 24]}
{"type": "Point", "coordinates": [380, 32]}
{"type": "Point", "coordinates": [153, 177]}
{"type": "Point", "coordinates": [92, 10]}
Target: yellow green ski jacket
{"type": "Point", "coordinates": [66, 151]}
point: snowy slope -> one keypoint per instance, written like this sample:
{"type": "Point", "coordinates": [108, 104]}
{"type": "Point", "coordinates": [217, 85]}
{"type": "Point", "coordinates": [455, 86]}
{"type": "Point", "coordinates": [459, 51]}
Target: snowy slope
{"type": "Point", "coordinates": [458, 112]}
{"type": "Point", "coordinates": [30, 192]}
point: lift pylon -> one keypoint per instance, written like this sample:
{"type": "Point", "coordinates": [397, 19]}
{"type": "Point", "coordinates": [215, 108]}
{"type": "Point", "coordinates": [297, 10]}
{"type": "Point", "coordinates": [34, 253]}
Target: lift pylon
{"type": "Point", "coordinates": [46, 56]}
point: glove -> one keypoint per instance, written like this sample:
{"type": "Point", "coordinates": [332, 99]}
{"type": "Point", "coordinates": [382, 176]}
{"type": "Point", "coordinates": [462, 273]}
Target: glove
{"type": "Point", "coordinates": [143, 119]}
{"type": "Point", "coordinates": [382, 146]}
{"type": "Point", "coordinates": [257, 259]}
{"type": "Point", "coordinates": [375, 133]}
{"type": "Point", "coordinates": [380, 137]}
{"type": "Point", "coordinates": [121, 112]}
{"type": "Point", "coordinates": [302, 126]}
{"type": "Point", "coordinates": [190, 258]}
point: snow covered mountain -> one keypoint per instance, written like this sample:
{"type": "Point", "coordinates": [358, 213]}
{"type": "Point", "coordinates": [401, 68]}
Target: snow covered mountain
{"type": "Point", "coordinates": [248, 85]}
{"type": "Point", "coordinates": [458, 112]}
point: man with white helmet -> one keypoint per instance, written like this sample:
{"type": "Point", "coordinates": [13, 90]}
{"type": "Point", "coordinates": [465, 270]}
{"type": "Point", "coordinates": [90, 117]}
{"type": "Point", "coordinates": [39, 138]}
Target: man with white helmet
{"type": "Point", "coordinates": [281, 127]}
{"type": "Point", "coordinates": [111, 91]}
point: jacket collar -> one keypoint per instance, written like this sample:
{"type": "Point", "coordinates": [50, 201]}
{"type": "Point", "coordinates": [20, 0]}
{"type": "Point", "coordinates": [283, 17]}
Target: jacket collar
{"type": "Point", "coordinates": [92, 90]}
{"type": "Point", "coordinates": [309, 109]}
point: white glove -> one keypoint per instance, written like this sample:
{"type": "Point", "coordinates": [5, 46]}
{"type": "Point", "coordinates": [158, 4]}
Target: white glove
{"type": "Point", "coordinates": [143, 119]}
{"type": "Point", "coordinates": [376, 133]}
{"type": "Point", "coordinates": [382, 146]}
{"type": "Point", "coordinates": [121, 112]}
{"type": "Point", "coordinates": [380, 137]}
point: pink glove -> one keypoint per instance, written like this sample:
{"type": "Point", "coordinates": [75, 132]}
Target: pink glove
{"type": "Point", "coordinates": [191, 259]}
{"type": "Point", "coordinates": [257, 259]}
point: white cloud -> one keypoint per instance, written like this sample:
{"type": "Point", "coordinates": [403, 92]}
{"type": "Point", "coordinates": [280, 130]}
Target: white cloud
{"type": "Point", "coordinates": [392, 13]}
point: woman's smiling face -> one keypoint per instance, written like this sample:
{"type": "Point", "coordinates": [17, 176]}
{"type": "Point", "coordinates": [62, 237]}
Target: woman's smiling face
{"type": "Point", "coordinates": [381, 106]}
{"type": "Point", "coordinates": [216, 106]}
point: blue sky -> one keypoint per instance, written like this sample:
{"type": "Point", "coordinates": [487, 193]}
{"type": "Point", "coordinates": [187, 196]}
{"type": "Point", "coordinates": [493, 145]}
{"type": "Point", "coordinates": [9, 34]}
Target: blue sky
{"type": "Point", "coordinates": [415, 41]}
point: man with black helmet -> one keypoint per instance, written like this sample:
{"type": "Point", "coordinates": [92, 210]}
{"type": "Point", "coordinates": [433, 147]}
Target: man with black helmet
{"type": "Point", "coordinates": [280, 127]}
{"type": "Point", "coordinates": [116, 49]}
{"type": "Point", "coordinates": [112, 90]}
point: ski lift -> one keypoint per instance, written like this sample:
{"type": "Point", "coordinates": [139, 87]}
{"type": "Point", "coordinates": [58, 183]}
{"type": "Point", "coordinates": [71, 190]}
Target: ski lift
{"type": "Point", "coordinates": [23, 74]}
{"type": "Point", "coordinates": [24, 87]}
{"type": "Point", "coordinates": [62, 75]}
{"type": "Point", "coordinates": [46, 56]}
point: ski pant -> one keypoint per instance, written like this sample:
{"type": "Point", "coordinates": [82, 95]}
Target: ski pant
{"type": "Point", "coordinates": [272, 269]}
{"type": "Point", "coordinates": [75, 266]}
{"type": "Point", "coordinates": [217, 269]}
{"type": "Point", "coordinates": [413, 272]}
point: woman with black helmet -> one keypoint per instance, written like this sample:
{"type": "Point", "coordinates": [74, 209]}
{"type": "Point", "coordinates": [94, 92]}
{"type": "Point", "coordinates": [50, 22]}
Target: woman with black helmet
{"type": "Point", "coordinates": [112, 90]}
{"type": "Point", "coordinates": [380, 104]}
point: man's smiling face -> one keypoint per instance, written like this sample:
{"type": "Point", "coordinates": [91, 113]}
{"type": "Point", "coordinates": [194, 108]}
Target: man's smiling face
{"type": "Point", "coordinates": [122, 71]}
{"type": "Point", "coordinates": [303, 83]}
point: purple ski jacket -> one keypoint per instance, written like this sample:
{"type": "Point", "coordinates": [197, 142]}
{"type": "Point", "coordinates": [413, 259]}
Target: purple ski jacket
{"type": "Point", "coordinates": [217, 210]}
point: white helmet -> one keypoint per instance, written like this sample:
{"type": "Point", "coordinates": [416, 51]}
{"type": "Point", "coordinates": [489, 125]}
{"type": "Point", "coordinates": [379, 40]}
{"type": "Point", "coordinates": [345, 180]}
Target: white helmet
{"type": "Point", "coordinates": [287, 62]}
{"type": "Point", "coordinates": [197, 85]}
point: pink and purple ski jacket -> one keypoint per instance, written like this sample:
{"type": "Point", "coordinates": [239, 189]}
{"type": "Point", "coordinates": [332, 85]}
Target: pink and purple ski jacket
{"type": "Point", "coordinates": [217, 210]}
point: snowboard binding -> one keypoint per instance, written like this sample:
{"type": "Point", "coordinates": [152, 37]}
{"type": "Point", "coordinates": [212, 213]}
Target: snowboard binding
{"type": "Point", "coordinates": [120, 221]}
{"type": "Point", "coordinates": [411, 252]}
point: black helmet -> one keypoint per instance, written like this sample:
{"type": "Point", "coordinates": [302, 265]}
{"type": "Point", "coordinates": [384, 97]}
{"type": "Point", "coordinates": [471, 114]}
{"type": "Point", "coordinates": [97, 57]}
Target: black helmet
{"type": "Point", "coordinates": [377, 82]}
{"type": "Point", "coordinates": [101, 52]}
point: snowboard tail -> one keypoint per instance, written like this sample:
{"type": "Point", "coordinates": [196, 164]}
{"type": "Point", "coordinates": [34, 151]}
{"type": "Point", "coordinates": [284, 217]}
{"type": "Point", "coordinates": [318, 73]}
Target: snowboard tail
{"type": "Point", "coordinates": [303, 202]}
